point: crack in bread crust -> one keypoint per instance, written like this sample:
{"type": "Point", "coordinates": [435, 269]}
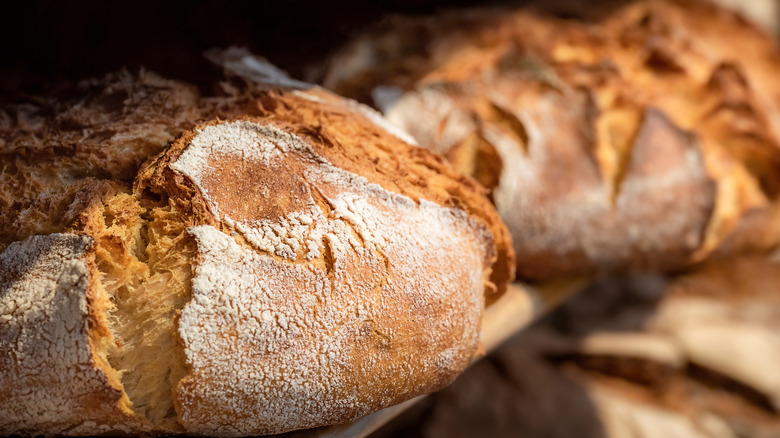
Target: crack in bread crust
{"type": "Point", "coordinates": [362, 266]}
{"type": "Point", "coordinates": [144, 256]}
{"type": "Point", "coordinates": [330, 314]}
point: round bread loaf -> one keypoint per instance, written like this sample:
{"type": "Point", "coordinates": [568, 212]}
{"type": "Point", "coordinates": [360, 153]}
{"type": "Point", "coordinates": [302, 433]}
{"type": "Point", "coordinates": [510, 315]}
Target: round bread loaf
{"type": "Point", "coordinates": [641, 138]}
{"type": "Point", "coordinates": [298, 266]}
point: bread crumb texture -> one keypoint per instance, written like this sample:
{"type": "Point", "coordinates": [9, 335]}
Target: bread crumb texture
{"type": "Point", "coordinates": [300, 266]}
{"type": "Point", "coordinates": [641, 137]}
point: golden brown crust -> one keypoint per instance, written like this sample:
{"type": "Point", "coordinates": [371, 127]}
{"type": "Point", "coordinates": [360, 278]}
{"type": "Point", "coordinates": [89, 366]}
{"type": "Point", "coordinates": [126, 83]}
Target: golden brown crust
{"type": "Point", "coordinates": [359, 288]}
{"type": "Point", "coordinates": [346, 134]}
{"type": "Point", "coordinates": [365, 289]}
{"type": "Point", "coordinates": [62, 152]}
{"type": "Point", "coordinates": [570, 111]}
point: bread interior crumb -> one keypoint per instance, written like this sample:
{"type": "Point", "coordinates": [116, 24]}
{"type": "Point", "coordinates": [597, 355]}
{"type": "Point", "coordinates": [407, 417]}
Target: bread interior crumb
{"type": "Point", "coordinates": [144, 255]}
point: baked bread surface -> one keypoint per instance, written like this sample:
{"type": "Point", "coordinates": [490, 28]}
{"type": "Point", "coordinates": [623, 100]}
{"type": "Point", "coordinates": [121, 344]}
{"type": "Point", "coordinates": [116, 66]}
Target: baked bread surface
{"type": "Point", "coordinates": [641, 138]}
{"type": "Point", "coordinates": [51, 378]}
{"type": "Point", "coordinates": [298, 266]}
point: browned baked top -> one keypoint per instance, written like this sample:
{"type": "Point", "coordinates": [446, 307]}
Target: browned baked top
{"type": "Point", "coordinates": [297, 266]}
{"type": "Point", "coordinates": [645, 139]}
{"type": "Point", "coordinates": [60, 152]}
{"type": "Point", "coordinates": [345, 280]}
{"type": "Point", "coordinates": [356, 139]}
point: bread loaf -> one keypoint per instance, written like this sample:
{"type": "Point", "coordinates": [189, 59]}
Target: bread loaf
{"type": "Point", "coordinates": [640, 138]}
{"type": "Point", "coordinates": [294, 266]}
{"type": "Point", "coordinates": [640, 356]}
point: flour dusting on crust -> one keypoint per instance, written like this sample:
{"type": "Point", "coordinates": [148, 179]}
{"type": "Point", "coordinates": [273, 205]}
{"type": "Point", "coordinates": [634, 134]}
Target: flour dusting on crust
{"type": "Point", "coordinates": [300, 230]}
{"type": "Point", "coordinates": [44, 324]}
{"type": "Point", "coordinates": [349, 299]}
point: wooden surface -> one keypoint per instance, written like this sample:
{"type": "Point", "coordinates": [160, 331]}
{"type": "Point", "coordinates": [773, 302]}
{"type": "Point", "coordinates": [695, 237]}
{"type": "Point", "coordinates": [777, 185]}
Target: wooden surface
{"type": "Point", "coordinates": [519, 306]}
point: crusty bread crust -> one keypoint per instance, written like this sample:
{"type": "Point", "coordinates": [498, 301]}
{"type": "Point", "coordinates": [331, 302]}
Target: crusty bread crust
{"type": "Point", "coordinates": [51, 379]}
{"type": "Point", "coordinates": [346, 274]}
{"type": "Point", "coordinates": [61, 153]}
{"type": "Point", "coordinates": [646, 139]}
{"type": "Point", "coordinates": [298, 266]}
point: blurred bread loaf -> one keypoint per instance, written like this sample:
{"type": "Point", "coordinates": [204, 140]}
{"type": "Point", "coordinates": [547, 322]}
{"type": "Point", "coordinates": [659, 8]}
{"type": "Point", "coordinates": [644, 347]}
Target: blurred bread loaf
{"type": "Point", "coordinates": [641, 356]}
{"type": "Point", "coordinates": [640, 137]}
{"type": "Point", "coordinates": [290, 263]}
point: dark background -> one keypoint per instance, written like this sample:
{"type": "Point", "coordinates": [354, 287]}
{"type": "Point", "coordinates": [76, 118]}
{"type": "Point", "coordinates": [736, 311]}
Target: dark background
{"type": "Point", "coordinates": [49, 41]}
{"type": "Point", "coordinates": [45, 42]}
